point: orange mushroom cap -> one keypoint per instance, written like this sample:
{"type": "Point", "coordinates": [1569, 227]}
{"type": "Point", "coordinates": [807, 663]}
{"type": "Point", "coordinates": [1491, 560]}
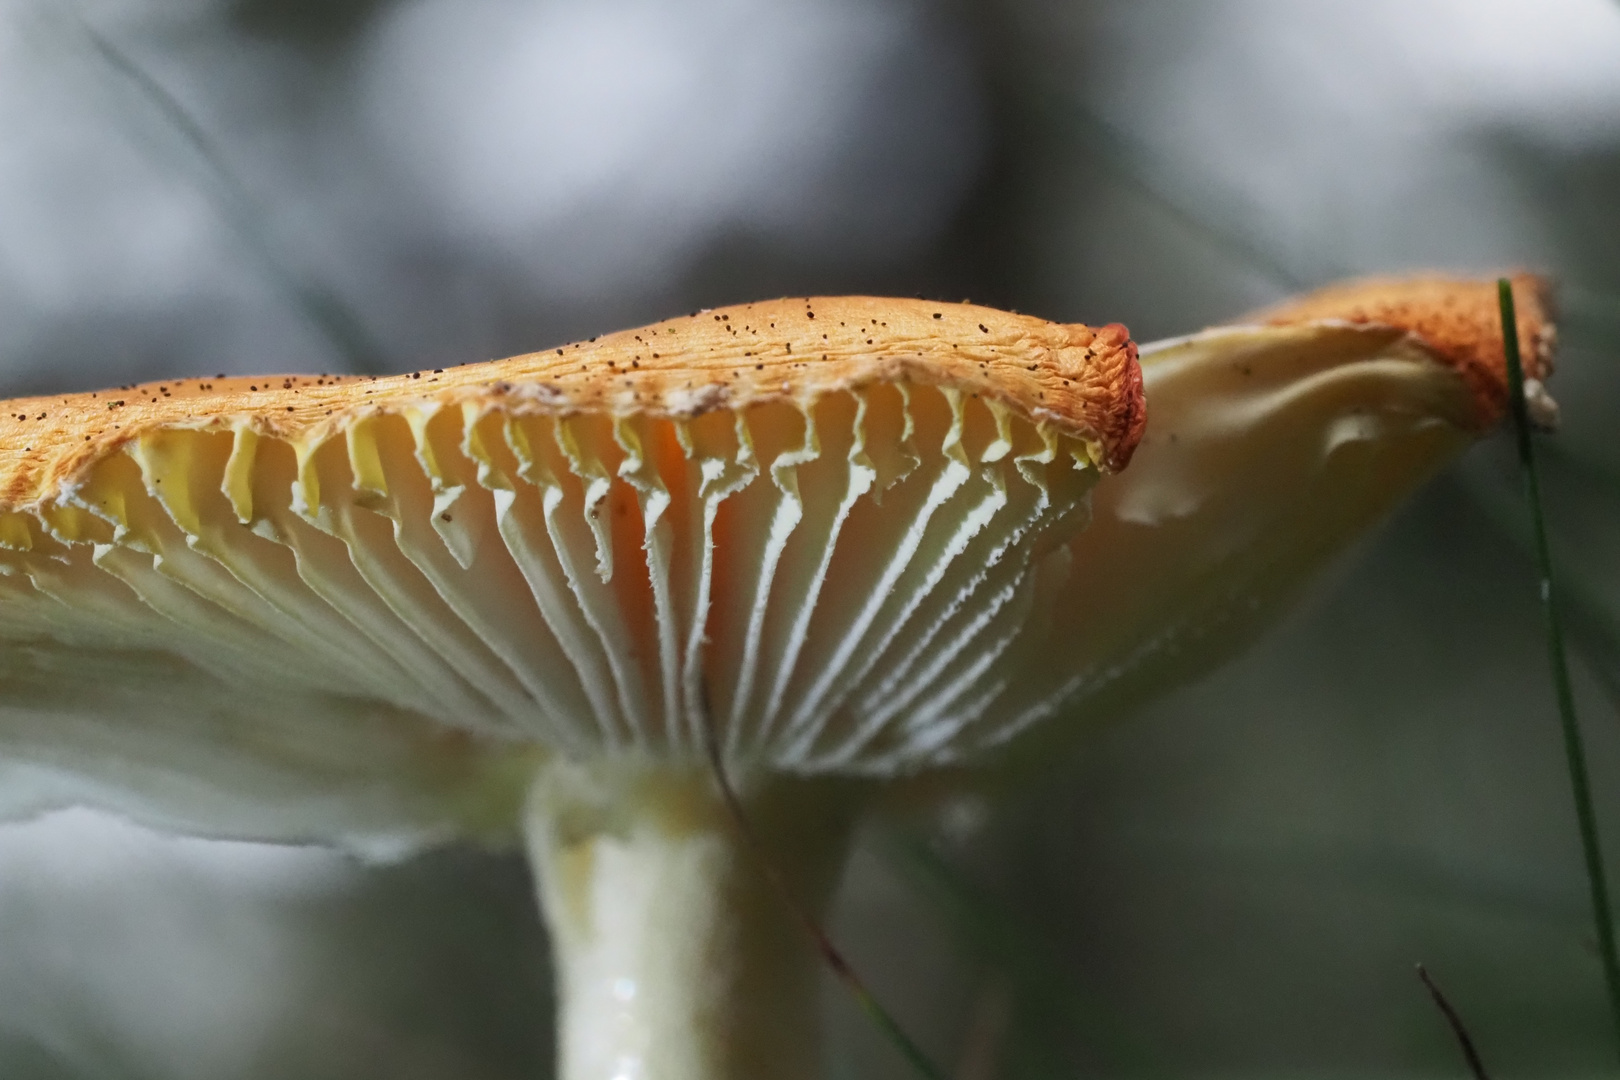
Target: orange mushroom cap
{"type": "Point", "coordinates": [1456, 319]}
{"type": "Point", "coordinates": [1084, 381]}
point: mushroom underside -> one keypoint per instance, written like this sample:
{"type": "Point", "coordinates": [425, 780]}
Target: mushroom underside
{"type": "Point", "coordinates": [401, 610]}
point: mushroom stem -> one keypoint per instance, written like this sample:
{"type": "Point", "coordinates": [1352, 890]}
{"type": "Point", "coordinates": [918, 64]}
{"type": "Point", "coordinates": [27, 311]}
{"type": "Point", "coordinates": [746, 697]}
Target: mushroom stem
{"type": "Point", "coordinates": [675, 957]}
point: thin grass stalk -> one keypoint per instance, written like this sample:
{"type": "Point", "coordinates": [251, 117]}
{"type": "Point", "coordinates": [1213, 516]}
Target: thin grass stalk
{"type": "Point", "coordinates": [1574, 745]}
{"type": "Point", "coordinates": [1454, 1020]}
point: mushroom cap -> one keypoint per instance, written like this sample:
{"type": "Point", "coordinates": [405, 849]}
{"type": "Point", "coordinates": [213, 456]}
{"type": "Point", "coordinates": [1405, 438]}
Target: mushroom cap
{"type": "Point", "coordinates": [363, 609]}
{"type": "Point", "coordinates": [1273, 445]}
{"type": "Point", "coordinates": [1080, 380]}
{"type": "Point", "coordinates": [1456, 320]}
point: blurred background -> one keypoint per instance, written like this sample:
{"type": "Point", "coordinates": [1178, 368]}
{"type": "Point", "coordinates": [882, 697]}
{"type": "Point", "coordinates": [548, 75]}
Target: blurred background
{"type": "Point", "coordinates": [1238, 880]}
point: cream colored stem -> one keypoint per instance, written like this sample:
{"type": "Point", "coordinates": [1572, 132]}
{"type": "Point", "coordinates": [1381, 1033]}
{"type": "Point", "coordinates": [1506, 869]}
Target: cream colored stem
{"type": "Point", "coordinates": [675, 958]}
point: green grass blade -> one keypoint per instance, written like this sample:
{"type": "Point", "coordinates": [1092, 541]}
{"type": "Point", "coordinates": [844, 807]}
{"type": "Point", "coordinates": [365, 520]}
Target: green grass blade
{"type": "Point", "coordinates": [1584, 613]}
{"type": "Point", "coordinates": [1574, 746]}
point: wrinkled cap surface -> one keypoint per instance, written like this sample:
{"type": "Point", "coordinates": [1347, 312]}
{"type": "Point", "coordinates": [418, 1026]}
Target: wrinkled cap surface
{"type": "Point", "coordinates": [294, 606]}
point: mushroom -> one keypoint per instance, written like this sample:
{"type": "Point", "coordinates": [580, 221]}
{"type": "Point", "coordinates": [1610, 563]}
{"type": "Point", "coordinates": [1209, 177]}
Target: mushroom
{"type": "Point", "coordinates": [838, 543]}
{"type": "Point", "coordinates": [530, 596]}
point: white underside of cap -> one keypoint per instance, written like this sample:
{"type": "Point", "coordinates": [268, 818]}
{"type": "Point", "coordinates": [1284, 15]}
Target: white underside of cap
{"type": "Point", "coordinates": [855, 584]}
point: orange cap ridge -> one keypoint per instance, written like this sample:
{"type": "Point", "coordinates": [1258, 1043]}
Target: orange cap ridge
{"type": "Point", "coordinates": [1084, 381]}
